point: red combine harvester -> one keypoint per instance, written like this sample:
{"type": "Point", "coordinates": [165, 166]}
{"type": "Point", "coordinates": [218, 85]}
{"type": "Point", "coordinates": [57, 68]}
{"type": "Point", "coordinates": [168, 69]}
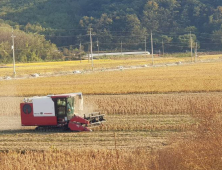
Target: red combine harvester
{"type": "Point", "coordinates": [58, 112]}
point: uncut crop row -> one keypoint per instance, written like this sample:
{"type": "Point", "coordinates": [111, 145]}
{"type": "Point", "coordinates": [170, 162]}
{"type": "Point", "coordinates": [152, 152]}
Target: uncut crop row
{"type": "Point", "coordinates": [181, 103]}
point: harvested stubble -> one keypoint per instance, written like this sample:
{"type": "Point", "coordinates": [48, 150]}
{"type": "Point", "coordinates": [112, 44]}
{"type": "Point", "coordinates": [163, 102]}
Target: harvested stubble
{"type": "Point", "coordinates": [10, 106]}
{"type": "Point", "coordinates": [148, 123]}
{"type": "Point", "coordinates": [150, 128]}
{"type": "Point", "coordinates": [205, 77]}
{"type": "Point", "coordinates": [29, 140]}
{"type": "Point", "coordinates": [202, 151]}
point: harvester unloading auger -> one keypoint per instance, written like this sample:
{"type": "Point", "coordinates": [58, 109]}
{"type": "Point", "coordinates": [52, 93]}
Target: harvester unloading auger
{"type": "Point", "coordinates": [58, 112]}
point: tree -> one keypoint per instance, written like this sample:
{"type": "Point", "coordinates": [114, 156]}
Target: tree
{"type": "Point", "coordinates": [185, 41]}
{"type": "Point", "coordinates": [150, 16]}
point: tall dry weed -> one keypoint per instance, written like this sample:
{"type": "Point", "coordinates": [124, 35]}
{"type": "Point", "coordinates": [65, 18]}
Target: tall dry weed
{"type": "Point", "coordinates": [75, 159]}
{"type": "Point", "coordinates": [203, 150]}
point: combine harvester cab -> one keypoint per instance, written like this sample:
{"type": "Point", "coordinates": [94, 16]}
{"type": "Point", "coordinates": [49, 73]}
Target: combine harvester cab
{"type": "Point", "coordinates": [58, 112]}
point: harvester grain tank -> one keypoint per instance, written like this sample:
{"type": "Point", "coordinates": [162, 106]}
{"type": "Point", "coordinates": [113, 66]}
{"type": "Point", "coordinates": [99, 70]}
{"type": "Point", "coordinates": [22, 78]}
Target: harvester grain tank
{"type": "Point", "coordinates": [58, 112]}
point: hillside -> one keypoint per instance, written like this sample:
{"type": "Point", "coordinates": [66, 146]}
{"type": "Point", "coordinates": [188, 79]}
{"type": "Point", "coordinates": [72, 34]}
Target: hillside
{"type": "Point", "coordinates": [67, 22]}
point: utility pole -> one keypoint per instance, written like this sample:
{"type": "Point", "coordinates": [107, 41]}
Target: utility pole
{"type": "Point", "coordinates": [191, 48]}
{"type": "Point", "coordinates": [145, 44]}
{"type": "Point", "coordinates": [80, 46]}
{"type": "Point", "coordinates": [80, 49]}
{"type": "Point", "coordinates": [152, 47]}
{"type": "Point", "coordinates": [91, 52]}
{"type": "Point", "coordinates": [98, 46]}
{"type": "Point", "coordinates": [88, 52]}
{"type": "Point", "coordinates": [13, 50]}
{"type": "Point", "coordinates": [163, 47]}
{"type": "Point", "coordinates": [196, 53]}
{"type": "Point", "coordinates": [121, 47]}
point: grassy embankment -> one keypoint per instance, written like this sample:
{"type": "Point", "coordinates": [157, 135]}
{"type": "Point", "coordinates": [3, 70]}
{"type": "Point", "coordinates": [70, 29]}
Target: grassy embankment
{"type": "Point", "coordinates": [153, 131]}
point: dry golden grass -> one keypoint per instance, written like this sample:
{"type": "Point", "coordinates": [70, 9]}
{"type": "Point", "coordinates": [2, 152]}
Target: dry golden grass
{"type": "Point", "coordinates": [28, 139]}
{"type": "Point", "coordinates": [200, 151]}
{"type": "Point", "coordinates": [68, 66]}
{"type": "Point", "coordinates": [156, 104]}
{"type": "Point", "coordinates": [159, 131]}
{"type": "Point", "coordinates": [142, 141]}
{"type": "Point", "coordinates": [145, 113]}
{"type": "Point", "coordinates": [76, 159]}
{"type": "Point", "coordinates": [136, 104]}
{"type": "Point", "coordinates": [10, 106]}
{"type": "Point", "coordinates": [151, 130]}
{"type": "Point", "coordinates": [188, 78]}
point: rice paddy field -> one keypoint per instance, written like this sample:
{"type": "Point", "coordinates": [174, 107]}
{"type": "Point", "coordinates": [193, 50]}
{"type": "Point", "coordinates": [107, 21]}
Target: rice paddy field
{"type": "Point", "coordinates": [65, 67]}
{"type": "Point", "coordinates": [165, 117]}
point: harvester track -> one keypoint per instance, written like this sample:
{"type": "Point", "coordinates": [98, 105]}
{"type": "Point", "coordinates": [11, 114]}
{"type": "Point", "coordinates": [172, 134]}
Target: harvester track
{"type": "Point", "coordinates": [51, 129]}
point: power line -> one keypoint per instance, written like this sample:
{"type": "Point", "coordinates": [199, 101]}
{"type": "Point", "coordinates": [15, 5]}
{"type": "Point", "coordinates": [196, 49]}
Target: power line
{"type": "Point", "coordinates": [139, 41]}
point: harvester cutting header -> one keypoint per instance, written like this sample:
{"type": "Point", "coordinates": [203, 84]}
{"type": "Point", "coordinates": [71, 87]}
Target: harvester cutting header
{"type": "Point", "coordinates": [58, 112]}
